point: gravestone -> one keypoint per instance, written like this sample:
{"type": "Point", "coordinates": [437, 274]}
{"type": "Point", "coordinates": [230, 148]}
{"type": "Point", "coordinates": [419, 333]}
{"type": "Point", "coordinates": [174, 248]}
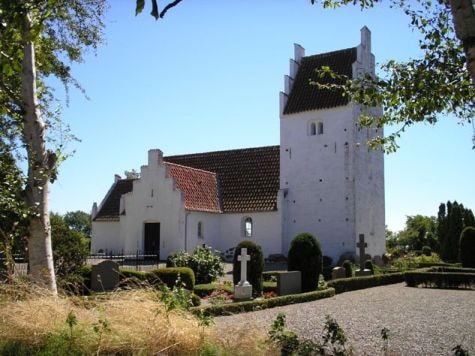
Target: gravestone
{"type": "Point", "coordinates": [243, 290]}
{"type": "Point", "coordinates": [289, 282]}
{"type": "Point", "coordinates": [105, 276]}
{"type": "Point", "coordinates": [338, 272]}
{"type": "Point", "coordinates": [361, 245]}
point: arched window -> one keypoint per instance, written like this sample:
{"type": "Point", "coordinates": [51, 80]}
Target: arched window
{"type": "Point", "coordinates": [320, 128]}
{"type": "Point", "coordinates": [247, 227]}
{"type": "Point", "coordinates": [313, 129]}
{"type": "Point", "coordinates": [200, 230]}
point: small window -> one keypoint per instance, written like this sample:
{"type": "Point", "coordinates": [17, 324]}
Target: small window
{"type": "Point", "coordinates": [248, 227]}
{"type": "Point", "coordinates": [313, 129]}
{"type": "Point", "coordinates": [200, 230]}
{"type": "Point", "coordinates": [320, 128]}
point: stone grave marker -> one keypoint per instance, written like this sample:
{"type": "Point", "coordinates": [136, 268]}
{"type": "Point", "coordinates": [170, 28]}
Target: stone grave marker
{"type": "Point", "coordinates": [289, 282]}
{"type": "Point", "coordinates": [105, 276]}
{"type": "Point", "coordinates": [338, 272]}
{"type": "Point", "coordinates": [243, 290]}
{"type": "Point", "coordinates": [361, 245]}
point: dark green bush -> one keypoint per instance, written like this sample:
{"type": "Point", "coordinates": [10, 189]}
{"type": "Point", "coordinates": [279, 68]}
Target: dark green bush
{"type": "Point", "coordinates": [203, 261]}
{"type": "Point", "coordinates": [467, 247]}
{"type": "Point", "coordinates": [169, 275]}
{"type": "Point", "coordinates": [348, 268]}
{"type": "Point", "coordinates": [255, 266]}
{"type": "Point", "coordinates": [259, 304]}
{"type": "Point", "coordinates": [431, 277]}
{"type": "Point", "coordinates": [305, 255]}
{"type": "Point", "coordinates": [195, 300]}
{"type": "Point", "coordinates": [369, 265]}
{"type": "Point", "coordinates": [426, 250]}
{"type": "Point", "coordinates": [349, 284]}
{"type": "Point", "coordinates": [327, 261]}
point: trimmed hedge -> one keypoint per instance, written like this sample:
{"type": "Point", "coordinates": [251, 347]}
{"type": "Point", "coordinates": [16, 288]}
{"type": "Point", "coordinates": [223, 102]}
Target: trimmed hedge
{"type": "Point", "coordinates": [204, 290]}
{"type": "Point", "coordinates": [441, 277]}
{"type": "Point", "coordinates": [169, 276]}
{"type": "Point", "coordinates": [348, 284]}
{"type": "Point", "coordinates": [259, 304]}
{"type": "Point", "coordinates": [269, 286]}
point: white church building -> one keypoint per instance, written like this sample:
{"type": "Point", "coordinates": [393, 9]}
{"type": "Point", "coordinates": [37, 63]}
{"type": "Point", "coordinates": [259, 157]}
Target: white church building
{"type": "Point", "coordinates": [322, 179]}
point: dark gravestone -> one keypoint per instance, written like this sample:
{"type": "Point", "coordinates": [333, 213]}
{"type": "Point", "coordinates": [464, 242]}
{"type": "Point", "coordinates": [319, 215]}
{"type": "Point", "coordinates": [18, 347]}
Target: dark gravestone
{"type": "Point", "coordinates": [105, 276]}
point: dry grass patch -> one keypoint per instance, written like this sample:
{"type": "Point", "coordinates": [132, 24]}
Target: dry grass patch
{"type": "Point", "coordinates": [125, 322]}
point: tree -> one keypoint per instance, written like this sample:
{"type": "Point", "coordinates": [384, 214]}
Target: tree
{"type": "Point", "coordinates": [438, 84]}
{"type": "Point", "coordinates": [78, 221]}
{"type": "Point", "coordinates": [140, 4]}
{"type": "Point", "coordinates": [420, 231]}
{"type": "Point", "coordinates": [451, 220]}
{"type": "Point", "coordinates": [38, 39]}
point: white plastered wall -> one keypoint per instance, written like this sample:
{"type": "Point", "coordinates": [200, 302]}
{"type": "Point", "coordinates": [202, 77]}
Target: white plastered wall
{"type": "Point", "coordinates": [106, 236]}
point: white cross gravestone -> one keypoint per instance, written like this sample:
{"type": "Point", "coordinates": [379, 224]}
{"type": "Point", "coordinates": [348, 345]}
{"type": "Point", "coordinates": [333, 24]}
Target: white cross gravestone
{"type": "Point", "coordinates": [361, 245]}
{"type": "Point", "coordinates": [243, 290]}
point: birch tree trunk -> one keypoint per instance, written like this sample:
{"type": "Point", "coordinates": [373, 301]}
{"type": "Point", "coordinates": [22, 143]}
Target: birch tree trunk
{"type": "Point", "coordinates": [40, 165]}
{"type": "Point", "coordinates": [463, 14]}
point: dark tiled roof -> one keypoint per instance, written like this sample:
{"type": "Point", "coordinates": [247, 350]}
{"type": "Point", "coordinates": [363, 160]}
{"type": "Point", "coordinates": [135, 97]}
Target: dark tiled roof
{"type": "Point", "coordinates": [248, 178]}
{"type": "Point", "coordinates": [200, 187]}
{"type": "Point", "coordinates": [304, 97]}
{"type": "Point", "coordinates": [109, 209]}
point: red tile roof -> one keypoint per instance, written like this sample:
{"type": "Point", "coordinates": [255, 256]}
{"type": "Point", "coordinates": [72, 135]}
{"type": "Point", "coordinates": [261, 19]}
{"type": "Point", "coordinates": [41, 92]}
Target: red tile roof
{"type": "Point", "coordinates": [248, 178]}
{"type": "Point", "coordinates": [200, 187]}
{"type": "Point", "coordinates": [304, 97]}
{"type": "Point", "coordinates": [242, 180]}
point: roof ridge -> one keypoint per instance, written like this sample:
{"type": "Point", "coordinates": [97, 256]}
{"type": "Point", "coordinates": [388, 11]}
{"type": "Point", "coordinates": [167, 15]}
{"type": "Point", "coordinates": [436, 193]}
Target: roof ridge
{"type": "Point", "coordinates": [329, 53]}
{"type": "Point", "coordinates": [188, 167]}
{"type": "Point", "coordinates": [220, 151]}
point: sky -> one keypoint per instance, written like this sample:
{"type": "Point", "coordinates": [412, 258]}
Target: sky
{"type": "Point", "coordinates": [208, 78]}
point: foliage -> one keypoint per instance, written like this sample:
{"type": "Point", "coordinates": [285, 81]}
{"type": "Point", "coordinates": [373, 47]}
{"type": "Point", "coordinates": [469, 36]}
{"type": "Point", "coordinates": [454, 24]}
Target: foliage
{"type": "Point", "coordinates": [255, 266]}
{"type": "Point", "coordinates": [424, 89]}
{"type": "Point", "coordinates": [259, 304]}
{"type": "Point", "coordinates": [452, 218]}
{"type": "Point", "coordinates": [441, 277]}
{"type": "Point", "coordinates": [349, 284]}
{"type": "Point", "coordinates": [204, 290]}
{"type": "Point", "coordinates": [170, 275]}
{"type": "Point", "coordinates": [426, 250]}
{"type": "Point", "coordinates": [467, 247]}
{"type": "Point", "coordinates": [79, 221]}
{"type": "Point", "coordinates": [348, 266]}
{"type": "Point", "coordinates": [70, 247]}
{"type": "Point", "coordinates": [220, 296]}
{"type": "Point", "coordinates": [419, 231]}
{"type": "Point", "coordinates": [204, 262]}
{"type": "Point", "coordinates": [175, 298]}
{"type": "Point", "coordinates": [305, 255]}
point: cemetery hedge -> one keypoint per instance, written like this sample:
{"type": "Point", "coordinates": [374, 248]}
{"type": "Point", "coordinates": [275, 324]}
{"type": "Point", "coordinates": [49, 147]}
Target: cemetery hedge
{"type": "Point", "coordinates": [305, 255]}
{"type": "Point", "coordinates": [204, 290]}
{"type": "Point", "coordinates": [349, 284]}
{"type": "Point", "coordinates": [259, 304]}
{"type": "Point", "coordinates": [441, 277]}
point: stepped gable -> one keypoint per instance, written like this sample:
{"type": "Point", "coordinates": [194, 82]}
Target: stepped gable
{"type": "Point", "coordinates": [304, 96]}
{"type": "Point", "coordinates": [199, 187]}
{"type": "Point", "coordinates": [248, 179]}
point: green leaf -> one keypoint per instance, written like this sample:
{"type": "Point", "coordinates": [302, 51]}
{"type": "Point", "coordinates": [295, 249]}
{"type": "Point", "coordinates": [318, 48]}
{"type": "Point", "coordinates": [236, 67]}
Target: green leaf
{"type": "Point", "coordinates": [7, 70]}
{"type": "Point", "coordinates": [139, 7]}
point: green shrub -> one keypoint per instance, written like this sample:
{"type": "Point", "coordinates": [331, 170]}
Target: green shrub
{"type": "Point", "coordinates": [269, 286]}
{"type": "Point", "coordinates": [369, 265]}
{"type": "Point", "coordinates": [349, 284]}
{"type": "Point", "coordinates": [169, 275]}
{"type": "Point", "coordinates": [426, 251]}
{"type": "Point", "coordinates": [204, 262]}
{"type": "Point", "coordinates": [441, 277]}
{"type": "Point", "coordinates": [467, 247]}
{"type": "Point", "coordinates": [305, 255]}
{"type": "Point", "coordinates": [204, 290]}
{"type": "Point", "coordinates": [348, 268]}
{"type": "Point", "coordinates": [259, 304]}
{"type": "Point", "coordinates": [327, 261]}
{"type": "Point", "coordinates": [195, 300]}
{"type": "Point", "coordinates": [255, 266]}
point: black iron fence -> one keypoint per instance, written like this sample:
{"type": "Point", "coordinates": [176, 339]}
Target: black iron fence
{"type": "Point", "coordinates": [138, 260]}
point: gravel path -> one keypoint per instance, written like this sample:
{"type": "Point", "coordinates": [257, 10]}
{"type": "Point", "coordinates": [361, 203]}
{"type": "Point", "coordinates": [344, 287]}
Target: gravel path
{"type": "Point", "coordinates": [421, 321]}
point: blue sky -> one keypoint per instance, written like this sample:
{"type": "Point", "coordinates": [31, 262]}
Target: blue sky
{"type": "Point", "coordinates": [208, 78]}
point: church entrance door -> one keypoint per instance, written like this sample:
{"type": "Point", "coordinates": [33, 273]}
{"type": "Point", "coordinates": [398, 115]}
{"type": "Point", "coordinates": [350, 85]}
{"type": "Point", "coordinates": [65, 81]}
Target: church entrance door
{"type": "Point", "coordinates": [152, 239]}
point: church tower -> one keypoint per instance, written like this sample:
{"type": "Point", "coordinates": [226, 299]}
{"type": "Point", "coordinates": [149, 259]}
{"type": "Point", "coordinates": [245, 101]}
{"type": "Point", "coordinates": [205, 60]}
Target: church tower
{"type": "Point", "coordinates": [331, 182]}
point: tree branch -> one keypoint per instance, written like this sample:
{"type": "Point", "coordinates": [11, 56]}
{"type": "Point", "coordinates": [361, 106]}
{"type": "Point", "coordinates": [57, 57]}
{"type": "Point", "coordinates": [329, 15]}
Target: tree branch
{"type": "Point", "coordinates": [168, 7]}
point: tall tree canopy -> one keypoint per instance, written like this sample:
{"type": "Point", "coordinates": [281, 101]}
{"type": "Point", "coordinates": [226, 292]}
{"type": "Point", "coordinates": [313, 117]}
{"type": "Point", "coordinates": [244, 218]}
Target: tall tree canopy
{"type": "Point", "coordinates": [38, 39]}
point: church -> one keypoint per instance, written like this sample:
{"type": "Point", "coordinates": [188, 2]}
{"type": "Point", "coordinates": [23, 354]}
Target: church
{"type": "Point", "coordinates": [321, 179]}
